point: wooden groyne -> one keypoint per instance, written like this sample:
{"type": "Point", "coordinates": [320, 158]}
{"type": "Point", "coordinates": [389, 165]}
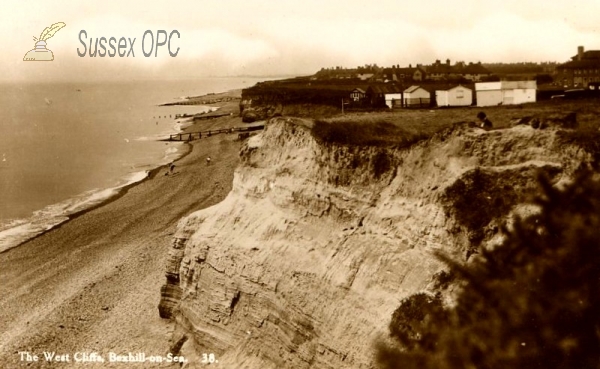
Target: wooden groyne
{"type": "Point", "coordinates": [211, 116]}
{"type": "Point", "coordinates": [191, 136]}
{"type": "Point", "coordinates": [201, 101]}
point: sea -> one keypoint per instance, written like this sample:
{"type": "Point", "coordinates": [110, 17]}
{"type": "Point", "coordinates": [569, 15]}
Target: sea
{"type": "Point", "coordinates": [66, 147]}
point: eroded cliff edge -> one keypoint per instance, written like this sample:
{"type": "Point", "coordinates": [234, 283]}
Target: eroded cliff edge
{"type": "Point", "coordinates": [305, 260]}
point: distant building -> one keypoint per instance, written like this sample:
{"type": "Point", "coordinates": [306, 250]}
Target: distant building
{"type": "Point", "coordinates": [416, 96]}
{"type": "Point", "coordinates": [505, 92]}
{"type": "Point", "coordinates": [401, 75]}
{"type": "Point", "coordinates": [594, 86]}
{"type": "Point", "coordinates": [473, 72]}
{"type": "Point", "coordinates": [440, 72]}
{"type": "Point", "coordinates": [357, 94]}
{"type": "Point", "coordinates": [384, 75]}
{"type": "Point", "coordinates": [581, 70]}
{"type": "Point", "coordinates": [364, 76]}
{"type": "Point", "coordinates": [384, 95]}
{"type": "Point", "coordinates": [410, 74]}
{"type": "Point", "coordinates": [393, 99]}
{"type": "Point", "coordinates": [454, 96]}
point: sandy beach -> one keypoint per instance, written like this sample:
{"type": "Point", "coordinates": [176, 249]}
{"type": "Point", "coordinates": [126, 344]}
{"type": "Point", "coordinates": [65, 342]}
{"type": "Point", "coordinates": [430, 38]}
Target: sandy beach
{"type": "Point", "coordinates": [93, 284]}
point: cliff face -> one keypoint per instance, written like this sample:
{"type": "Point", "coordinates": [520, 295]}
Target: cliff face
{"type": "Point", "coordinates": [304, 262]}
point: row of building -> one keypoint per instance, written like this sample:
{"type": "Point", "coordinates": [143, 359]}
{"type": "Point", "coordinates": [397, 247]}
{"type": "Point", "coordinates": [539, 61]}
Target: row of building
{"type": "Point", "coordinates": [437, 71]}
{"type": "Point", "coordinates": [579, 72]}
{"type": "Point", "coordinates": [439, 84]}
{"type": "Point", "coordinates": [583, 71]}
{"type": "Point", "coordinates": [485, 94]}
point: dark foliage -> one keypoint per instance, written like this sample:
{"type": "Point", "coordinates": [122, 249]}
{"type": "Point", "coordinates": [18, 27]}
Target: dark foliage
{"type": "Point", "coordinates": [518, 68]}
{"type": "Point", "coordinates": [587, 138]}
{"type": "Point", "coordinates": [412, 316]}
{"type": "Point", "coordinates": [381, 164]}
{"type": "Point", "coordinates": [367, 133]}
{"type": "Point", "coordinates": [479, 197]}
{"type": "Point", "coordinates": [533, 302]}
{"type": "Point", "coordinates": [542, 79]}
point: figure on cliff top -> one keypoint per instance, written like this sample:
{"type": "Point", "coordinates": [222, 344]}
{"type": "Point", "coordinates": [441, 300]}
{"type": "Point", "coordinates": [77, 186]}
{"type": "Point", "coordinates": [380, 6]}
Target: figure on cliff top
{"type": "Point", "coordinates": [485, 122]}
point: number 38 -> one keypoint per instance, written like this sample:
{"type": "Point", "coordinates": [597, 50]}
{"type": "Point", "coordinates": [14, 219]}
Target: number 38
{"type": "Point", "coordinates": [208, 358]}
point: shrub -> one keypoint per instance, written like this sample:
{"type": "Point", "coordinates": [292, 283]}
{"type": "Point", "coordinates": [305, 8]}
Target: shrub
{"type": "Point", "coordinates": [412, 316]}
{"type": "Point", "coordinates": [381, 164]}
{"type": "Point", "coordinates": [587, 138]}
{"type": "Point", "coordinates": [364, 132]}
{"type": "Point", "coordinates": [532, 302]}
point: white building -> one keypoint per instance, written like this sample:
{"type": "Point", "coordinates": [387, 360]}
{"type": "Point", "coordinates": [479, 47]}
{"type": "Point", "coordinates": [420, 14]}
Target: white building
{"type": "Point", "coordinates": [454, 96]}
{"type": "Point", "coordinates": [393, 100]}
{"type": "Point", "coordinates": [505, 92]}
{"type": "Point", "coordinates": [416, 96]}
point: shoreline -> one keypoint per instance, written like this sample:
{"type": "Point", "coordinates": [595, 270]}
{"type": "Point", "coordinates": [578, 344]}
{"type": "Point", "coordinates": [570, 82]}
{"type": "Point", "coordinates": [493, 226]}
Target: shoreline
{"type": "Point", "coordinates": [94, 281]}
{"type": "Point", "coordinates": [120, 192]}
{"type": "Point", "coordinates": [54, 221]}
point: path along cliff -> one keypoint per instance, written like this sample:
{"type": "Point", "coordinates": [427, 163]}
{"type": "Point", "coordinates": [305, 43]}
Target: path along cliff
{"type": "Point", "coordinates": [303, 263]}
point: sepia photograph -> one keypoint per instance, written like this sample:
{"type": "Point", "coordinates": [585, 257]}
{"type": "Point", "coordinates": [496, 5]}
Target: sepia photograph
{"type": "Point", "coordinates": [266, 184]}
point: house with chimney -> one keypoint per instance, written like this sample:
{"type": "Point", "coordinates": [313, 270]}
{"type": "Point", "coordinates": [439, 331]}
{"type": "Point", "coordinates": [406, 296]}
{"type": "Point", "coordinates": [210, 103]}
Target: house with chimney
{"type": "Point", "coordinates": [410, 74]}
{"type": "Point", "coordinates": [472, 72]}
{"type": "Point", "coordinates": [439, 71]}
{"type": "Point", "coordinates": [583, 69]}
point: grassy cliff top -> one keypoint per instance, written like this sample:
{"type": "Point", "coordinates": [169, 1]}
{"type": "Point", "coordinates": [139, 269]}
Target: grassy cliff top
{"type": "Point", "coordinates": [405, 127]}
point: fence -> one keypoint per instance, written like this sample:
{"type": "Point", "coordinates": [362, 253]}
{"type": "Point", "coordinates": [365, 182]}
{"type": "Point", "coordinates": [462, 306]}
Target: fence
{"type": "Point", "coordinates": [417, 102]}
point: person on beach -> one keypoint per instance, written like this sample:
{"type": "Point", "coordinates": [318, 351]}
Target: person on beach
{"type": "Point", "coordinates": [485, 123]}
{"type": "Point", "coordinates": [208, 161]}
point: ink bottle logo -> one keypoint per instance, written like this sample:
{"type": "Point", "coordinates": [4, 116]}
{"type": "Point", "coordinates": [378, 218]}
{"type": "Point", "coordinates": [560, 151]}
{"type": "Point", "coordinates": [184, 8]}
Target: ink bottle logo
{"type": "Point", "coordinates": [40, 53]}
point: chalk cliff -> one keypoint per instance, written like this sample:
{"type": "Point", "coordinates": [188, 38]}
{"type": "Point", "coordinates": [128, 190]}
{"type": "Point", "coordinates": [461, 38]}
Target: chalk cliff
{"type": "Point", "coordinates": [303, 263]}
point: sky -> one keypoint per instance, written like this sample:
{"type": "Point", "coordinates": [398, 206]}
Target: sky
{"type": "Point", "coordinates": [284, 37]}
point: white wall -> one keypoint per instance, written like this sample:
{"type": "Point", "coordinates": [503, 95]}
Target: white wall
{"type": "Point", "coordinates": [488, 86]}
{"type": "Point", "coordinates": [417, 94]}
{"type": "Point", "coordinates": [505, 92]}
{"type": "Point", "coordinates": [414, 98]}
{"type": "Point", "coordinates": [489, 98]}
{"type": "Point", "coordinates": [454, 98]}
{"type": "Point", "coordinates": [525, 95]}
{"type": "Point", "coordinates": [441, 98]}
{"type": "Point", "coordinates": [390, 97]}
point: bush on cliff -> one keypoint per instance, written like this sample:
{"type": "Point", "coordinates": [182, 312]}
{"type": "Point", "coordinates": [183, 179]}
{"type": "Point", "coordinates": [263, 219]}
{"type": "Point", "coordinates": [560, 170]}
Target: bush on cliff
{"type": "Point", "coordinates": [533, 302]}
{"type": "Point", "coordinates": [365, 132]}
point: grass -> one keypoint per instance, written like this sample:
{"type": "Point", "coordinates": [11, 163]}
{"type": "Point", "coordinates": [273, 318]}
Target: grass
{"type": "Point", "coordinates": [405, 127]}
{"type": "Point", "coordinates": [365, 132]}
{"type": "Point", "coordinates": [309, 110]}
